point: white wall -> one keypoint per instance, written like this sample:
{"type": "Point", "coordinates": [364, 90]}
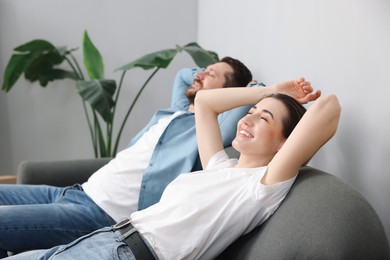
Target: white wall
{"type": "Point", "coordinates": [342, 47]}
{"type": "Point", "coordinates": [48, 123]}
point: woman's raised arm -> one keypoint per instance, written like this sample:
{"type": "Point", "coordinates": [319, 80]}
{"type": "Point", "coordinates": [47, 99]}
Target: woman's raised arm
{"type": "Point", "coordinates": [315, 128]}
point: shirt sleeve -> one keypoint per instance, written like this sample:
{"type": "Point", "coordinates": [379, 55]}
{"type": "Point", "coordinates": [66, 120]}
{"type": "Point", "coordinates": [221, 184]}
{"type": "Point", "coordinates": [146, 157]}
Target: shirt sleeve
{"type": "Point", "coordinates": [221, 160]}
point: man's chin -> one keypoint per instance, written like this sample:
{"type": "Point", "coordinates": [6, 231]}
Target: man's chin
{"type": "Point", "coordinates": [195, 87]}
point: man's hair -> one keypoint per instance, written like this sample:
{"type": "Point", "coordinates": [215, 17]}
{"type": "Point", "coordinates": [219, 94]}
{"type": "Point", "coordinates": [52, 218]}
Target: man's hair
{"type": "Point", "coordinates": [295, 112]}
{"type": "Point", "coordinates": [241, 75]}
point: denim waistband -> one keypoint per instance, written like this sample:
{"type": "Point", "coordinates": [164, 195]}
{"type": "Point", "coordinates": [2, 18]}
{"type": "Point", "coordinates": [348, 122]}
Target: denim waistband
{"type": "Point", "coordinates": [136, 242]}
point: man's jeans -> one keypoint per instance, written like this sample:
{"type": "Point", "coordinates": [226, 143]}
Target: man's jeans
{"type": "Point", "coordinates": [105, 243]}
{"type": "Point", "coordinates": [39, 216]}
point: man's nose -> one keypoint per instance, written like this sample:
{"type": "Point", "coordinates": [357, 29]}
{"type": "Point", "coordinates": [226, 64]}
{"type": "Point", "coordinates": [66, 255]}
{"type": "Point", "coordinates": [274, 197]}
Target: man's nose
{"type": "Point", "coordinates": [200, 75]}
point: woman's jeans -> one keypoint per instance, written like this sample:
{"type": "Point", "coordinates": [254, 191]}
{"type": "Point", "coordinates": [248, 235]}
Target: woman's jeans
{"type": "Point", "coordinates": [40, 216]}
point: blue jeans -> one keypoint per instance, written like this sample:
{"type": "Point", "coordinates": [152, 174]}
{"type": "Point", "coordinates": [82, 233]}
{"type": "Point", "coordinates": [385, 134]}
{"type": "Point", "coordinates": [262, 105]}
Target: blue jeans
{"type": "Point", "coordinates": [105, 243]}
{"type": "Point", "coordinates": [40, 216]}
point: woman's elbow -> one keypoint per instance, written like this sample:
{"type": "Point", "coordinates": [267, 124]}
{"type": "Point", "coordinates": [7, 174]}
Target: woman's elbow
{"type": "Point", "coordinates": [332, 104]}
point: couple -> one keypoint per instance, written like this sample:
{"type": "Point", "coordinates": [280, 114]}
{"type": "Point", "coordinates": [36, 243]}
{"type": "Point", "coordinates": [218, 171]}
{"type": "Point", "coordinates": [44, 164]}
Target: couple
{"type": "Point", "coordinates": [197, 210]}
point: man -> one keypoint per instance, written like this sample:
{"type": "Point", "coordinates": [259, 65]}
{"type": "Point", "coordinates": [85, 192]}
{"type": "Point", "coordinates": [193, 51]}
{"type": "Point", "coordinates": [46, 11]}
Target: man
{"type": "Point", "coordinates": [35, 217]}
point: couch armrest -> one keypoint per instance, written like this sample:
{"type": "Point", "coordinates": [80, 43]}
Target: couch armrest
{"type": "Point", "coordinates": [58, 173]}
{"type": "Point", "coordinates": [321, 217]}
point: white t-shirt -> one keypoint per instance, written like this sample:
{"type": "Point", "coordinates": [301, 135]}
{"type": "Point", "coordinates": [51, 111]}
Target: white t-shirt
{"type": "Point", "coordinates": [201, 213]}
{"type": "Point", "coordinates": [115, 187]}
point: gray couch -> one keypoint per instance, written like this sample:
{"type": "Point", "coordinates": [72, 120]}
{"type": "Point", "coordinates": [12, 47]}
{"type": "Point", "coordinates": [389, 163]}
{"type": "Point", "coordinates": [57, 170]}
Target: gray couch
{"type": "Point", "coordinates": [321, 218]}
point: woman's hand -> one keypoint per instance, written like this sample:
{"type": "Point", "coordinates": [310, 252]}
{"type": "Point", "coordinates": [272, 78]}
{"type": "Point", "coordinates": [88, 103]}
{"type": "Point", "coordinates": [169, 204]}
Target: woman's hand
{"type": "Point", "coordinates": [300, 89]}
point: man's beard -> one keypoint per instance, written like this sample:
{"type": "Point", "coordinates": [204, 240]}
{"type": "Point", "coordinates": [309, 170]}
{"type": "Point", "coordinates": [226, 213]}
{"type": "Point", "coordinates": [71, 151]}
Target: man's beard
{"type": "Point", "coordinates": [193, 89]}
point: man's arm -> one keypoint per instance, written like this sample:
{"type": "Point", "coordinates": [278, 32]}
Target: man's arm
{"type": "Point", "coordinates": [182, 81]}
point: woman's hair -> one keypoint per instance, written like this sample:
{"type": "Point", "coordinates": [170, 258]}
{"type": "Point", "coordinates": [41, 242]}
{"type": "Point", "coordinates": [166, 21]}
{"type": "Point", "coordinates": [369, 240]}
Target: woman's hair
{"type": "Point", "coordinates": [241, 75]}
{"type": "Point", "coordinates": [295, 112]}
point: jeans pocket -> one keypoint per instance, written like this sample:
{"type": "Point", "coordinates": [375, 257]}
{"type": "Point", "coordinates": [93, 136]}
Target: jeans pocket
{"type": "Point", "coordinates": [123, 252]}
{"type": "Point", "coordinates": [69, 188]}
{"type": "Point", "coordinates": [89, 238]}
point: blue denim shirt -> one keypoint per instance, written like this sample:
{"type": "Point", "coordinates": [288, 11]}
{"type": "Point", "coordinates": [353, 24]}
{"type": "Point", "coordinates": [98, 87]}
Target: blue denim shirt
{"type": "Point", "coordinates": [176, 151]}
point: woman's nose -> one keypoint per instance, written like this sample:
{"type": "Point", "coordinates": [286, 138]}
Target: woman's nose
{"type": "Point", "coordinates": [247, 120]}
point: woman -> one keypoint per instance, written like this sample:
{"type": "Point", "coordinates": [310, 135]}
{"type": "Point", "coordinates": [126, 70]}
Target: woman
{"type": "Point", "coordinates": [201, 213]}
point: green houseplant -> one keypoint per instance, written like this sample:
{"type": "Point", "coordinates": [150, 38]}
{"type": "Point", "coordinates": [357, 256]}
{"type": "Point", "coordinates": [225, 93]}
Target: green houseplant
{"type": "Point", "coordinates": [39, 60]}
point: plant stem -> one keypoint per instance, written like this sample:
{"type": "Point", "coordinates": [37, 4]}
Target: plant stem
{"type": "Point", "coordinates": [79, 71]}
{"type": "Point", "coordinates": [92, 131]}
{"type": "Point", "coordinates": [99, 136]}
{"type": "Point", "coordinates": [131, 108]}
{"type": "Point", "coordinates": [111, 126]}
{"type": "Point", "coordinates": [80, 75]}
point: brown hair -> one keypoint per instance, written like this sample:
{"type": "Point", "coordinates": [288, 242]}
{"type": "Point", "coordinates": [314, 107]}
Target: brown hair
{"type": "Point", "coordinates": [295, 112]}
{"type": "Point", "coordinates": [241, 75]}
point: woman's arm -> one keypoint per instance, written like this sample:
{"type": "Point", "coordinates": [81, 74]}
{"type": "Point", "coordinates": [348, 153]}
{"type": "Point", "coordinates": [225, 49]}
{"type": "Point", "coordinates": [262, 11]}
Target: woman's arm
{"type": "Point", "coordinates": [315, 128]}
{"type": "Point", "coordinates": [211, 102]}
{"type": "Point", "coordinates": [208, 105]}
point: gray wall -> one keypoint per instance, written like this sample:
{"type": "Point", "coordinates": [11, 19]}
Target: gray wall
{"type": "Point", "coordinates": [342, 47]}
{"type": "Point", "coordinates": [48, 123]}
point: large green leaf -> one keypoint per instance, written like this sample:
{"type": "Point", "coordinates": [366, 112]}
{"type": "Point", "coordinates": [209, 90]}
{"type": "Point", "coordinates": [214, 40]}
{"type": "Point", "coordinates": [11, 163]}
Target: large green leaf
{"type": "Point", "coordinates": [201, 57]}
{"type": "Point", "coordinates": [24, 55]}
{"type": "Point", "coordinates": [55, 74]}
{"type": "Point", "coordinates": [42, 68]}
{"type": "Point", "coordinates": [93, 61]}
{"type": "Point", "coordinates": [99, 93]}
{"type": "Point", "coordinates": [15, 68]}
{"type": "Point", "coordinates": [36, 59]}
{"type": "Point", "coordinates": [35, 46]}
{"type": "Point", "coordinates": [162, 59]}
{"type": "Point", "coordinates": [159, 59]}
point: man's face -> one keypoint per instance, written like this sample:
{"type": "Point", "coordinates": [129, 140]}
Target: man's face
{"type": "Point", "coordinates": [212, 77]}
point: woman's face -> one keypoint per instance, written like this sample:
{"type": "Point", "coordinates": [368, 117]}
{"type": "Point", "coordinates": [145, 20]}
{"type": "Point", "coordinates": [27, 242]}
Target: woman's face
{"type": "Point", "coordinates": [259, 133]}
